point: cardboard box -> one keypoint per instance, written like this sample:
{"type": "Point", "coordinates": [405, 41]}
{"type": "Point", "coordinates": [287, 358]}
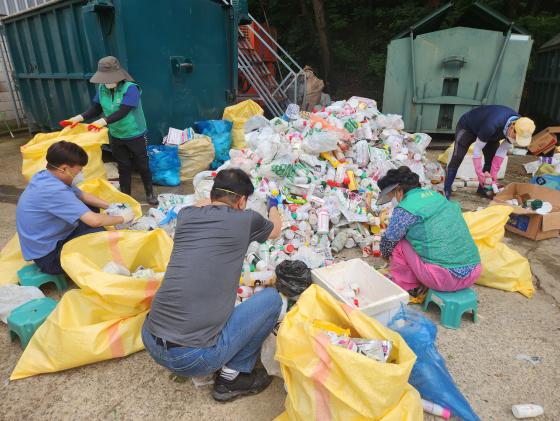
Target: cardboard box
{"type": "Point", "coordinates": [544, 141]}
{"type": "Point", "coordinates": [527, 222]}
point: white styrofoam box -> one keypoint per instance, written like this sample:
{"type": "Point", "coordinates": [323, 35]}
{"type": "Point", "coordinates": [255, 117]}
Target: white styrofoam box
{"type": "Point", "coordinates": [383, 297]}
{"type": "Point", "coordinates": [466, 169]}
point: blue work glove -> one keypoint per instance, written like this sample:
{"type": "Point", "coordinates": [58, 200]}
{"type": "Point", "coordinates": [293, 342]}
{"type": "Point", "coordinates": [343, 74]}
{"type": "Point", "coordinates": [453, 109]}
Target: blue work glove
{"type": "Point", "coordinates": [272, 203]}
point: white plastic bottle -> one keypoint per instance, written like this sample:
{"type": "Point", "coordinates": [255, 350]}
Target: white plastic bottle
{"type": "Point", "coordinates": [435, 409]}
{"type": "Point", "coordinates": [323, 221]}
{"type": "Point", "coordinates": [527, 410]}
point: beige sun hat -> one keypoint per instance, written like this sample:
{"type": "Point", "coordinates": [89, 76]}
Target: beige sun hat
{"type": "Point", "coordinates": [524, 129]}
{"type": "Point", "coordinates": [109, 70]}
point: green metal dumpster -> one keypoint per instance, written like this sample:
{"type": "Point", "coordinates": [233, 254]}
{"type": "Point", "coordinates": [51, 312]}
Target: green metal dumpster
{"type": "Point", "coordinates": [433, 76]}
{"type": "Point", "coordinates": [544, 94]}
{"type": "Point", "coordinates": [183, 53]}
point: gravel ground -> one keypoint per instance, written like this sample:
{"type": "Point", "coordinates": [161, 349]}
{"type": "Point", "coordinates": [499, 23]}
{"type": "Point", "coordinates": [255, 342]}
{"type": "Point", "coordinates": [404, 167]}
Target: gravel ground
{"type": "Point", "coordinates": [481, 357]}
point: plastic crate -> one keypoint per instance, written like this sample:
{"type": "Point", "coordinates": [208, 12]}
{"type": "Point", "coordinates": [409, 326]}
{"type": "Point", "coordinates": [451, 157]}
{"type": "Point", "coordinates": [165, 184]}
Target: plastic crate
{"type": "Point", "coordinates": [466, 169]}
{"type": "Point", "coordinates": [382, 298]}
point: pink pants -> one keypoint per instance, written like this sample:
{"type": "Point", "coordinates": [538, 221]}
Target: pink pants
{"type": "Point", "coordinates": [409, 272]}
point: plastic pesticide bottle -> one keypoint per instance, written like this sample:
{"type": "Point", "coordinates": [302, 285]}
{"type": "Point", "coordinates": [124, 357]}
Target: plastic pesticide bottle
{"type": "Point", "coordinates": [274, 191]}
{"type": "Point", "coordinates": [258, 289]}
{"type": "Point", "coordinates": [435, 409]}
{"type": "Point", "coordinates": [244, 292]}
{"type": "Point", "coordinates": [264, 277]}
{"type": "Point", "coordinates": [264, 254]}
{"type": "Point", "coordinates": [527, 410]}
{"type": "Point", "coordinates": [323, 221]}
{"type": "Point", "coordinates": [340, 174]}
{"type": "Point", "coordinates": [352, 186]}
{"type": "Point", "coordinates": [328, 156]}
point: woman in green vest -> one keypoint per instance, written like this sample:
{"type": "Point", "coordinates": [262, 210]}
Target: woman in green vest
{"type": "Point", "coordinates": [427, 239]}
{"type": "Point", "coordinates": [117, 97]}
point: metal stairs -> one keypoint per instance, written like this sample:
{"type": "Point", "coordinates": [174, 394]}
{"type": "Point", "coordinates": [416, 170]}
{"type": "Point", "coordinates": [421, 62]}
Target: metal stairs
{"type": "Point", "coordinates": [273, 90]}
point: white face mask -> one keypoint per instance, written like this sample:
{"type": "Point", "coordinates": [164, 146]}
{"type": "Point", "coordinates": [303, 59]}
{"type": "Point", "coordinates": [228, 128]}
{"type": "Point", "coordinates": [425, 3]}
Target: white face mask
{"type": "Point", "coordinates": [78, 178]}
{"type": "Point", "coordinates": [394, 202]}
{"type": "Point", "coordinates": [110, 85]}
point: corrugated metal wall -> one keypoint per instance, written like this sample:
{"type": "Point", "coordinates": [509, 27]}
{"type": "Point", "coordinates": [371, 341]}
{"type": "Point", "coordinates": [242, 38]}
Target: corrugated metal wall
{"type": "Point", "coordinates": [544, 102]}
{"type": "Point", "coordinates": [9, 7]}
{"type": "Point", "coordinates": [11, 108]}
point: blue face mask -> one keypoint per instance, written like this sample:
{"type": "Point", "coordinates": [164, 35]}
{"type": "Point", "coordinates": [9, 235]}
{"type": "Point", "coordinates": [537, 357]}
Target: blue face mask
{"type": "Point", "coordinates": [394, 202]}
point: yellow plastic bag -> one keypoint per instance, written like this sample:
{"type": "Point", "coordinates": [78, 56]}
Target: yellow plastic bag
{"type": "Point", "coordinates": [102, 319]}
{"type": "Point", "coordinates": [196, 156]}
{"type": "Point", "coordinates": [502, 267]}
{"type": "Point", "coordinates": [443, 156]}
{"type": "Point", "coordinates": [238, 114]}
{"type": "Point", "coordinates": [34, 152]}
{"type": "Point", "coordinates": [11, 259]}
{"type": "Point", "coordinates": [328, 382]}
{"type": "Point", "coordinates": [106, 191]}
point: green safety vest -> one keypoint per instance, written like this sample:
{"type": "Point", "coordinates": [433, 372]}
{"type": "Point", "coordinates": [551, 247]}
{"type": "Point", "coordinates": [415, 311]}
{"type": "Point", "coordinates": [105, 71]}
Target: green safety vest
{"type": "Point", "coordinates": [441, 237]}
{"type": "Point", "coordinates": [134, 123]}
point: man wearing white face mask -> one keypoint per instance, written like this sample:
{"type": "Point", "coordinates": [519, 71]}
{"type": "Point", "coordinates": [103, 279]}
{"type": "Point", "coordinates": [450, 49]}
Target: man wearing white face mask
{"type": "Point", "coordinates": [118, 99]}
{"type": "Point", "coordinates": [52, 210]}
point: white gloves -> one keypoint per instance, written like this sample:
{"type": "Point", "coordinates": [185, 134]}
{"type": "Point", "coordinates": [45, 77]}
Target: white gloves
{"type": "Point", "coordinates": [121, 209]}
{"type": "Point", "coordinates": [128, 215]}
{"type": "Point", "coordinates": [76, 119]}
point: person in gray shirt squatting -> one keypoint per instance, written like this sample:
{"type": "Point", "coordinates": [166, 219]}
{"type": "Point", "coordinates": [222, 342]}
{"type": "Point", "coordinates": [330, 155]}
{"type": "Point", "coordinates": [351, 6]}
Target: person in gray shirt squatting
{"type": "Point", "coordinates": [194, 327]}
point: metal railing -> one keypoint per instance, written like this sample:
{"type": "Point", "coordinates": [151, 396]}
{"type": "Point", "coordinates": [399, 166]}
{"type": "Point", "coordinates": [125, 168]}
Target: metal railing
{"type": "Point", "coordinates": [275, 94]}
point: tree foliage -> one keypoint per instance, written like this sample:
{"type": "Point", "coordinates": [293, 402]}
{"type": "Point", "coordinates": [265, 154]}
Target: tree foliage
{"type": "Point", "coordinates": [360, 30]}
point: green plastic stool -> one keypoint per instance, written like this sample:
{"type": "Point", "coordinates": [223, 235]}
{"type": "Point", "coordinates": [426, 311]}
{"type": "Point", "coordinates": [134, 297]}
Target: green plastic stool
{"type": "Point", "coordinates": [26, 319]}
{"type": "Point", "coordinates": [453, 305]}
{"type": "Point", "coordinates": [31, 276]}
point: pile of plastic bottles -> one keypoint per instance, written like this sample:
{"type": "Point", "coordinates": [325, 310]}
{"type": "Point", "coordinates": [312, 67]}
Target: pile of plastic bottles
{"type": "Point", "coordinates": [323, 167]}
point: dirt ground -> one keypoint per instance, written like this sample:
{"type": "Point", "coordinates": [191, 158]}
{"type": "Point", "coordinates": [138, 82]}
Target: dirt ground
{"type": "Point", "coordinates": [481, 357]}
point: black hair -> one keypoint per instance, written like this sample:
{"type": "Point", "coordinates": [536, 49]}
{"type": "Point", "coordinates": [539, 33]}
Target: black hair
{"type": "Point", "coordinates": [235, 180]}
{"type": "Point", "coordinates": [68, 153]}
{"type": "Point", "coordinates": [403, 176]}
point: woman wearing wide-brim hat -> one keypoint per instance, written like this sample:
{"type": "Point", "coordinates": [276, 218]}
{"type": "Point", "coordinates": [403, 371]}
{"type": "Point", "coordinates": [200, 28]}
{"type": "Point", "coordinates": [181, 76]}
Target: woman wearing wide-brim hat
{"type": "Point", "coordinates": [117, 97]}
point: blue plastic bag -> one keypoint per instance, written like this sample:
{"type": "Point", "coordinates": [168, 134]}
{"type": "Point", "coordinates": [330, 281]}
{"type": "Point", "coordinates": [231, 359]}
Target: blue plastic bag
{"type": "Point", "coordinates": [164, 165]}
{"type": "Point", "coordinates": [220, 133]}
{"type": "Point", "coordinates": [429, 375]}
{"type": "Point", "coordinates": [547, 180]}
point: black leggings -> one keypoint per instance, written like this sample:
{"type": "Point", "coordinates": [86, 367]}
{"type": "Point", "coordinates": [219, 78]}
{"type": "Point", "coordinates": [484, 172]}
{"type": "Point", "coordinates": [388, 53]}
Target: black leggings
{"type": "Point", "coordinates": [464, 138]}
{"type": "Point", "coordinates": [129, 153]}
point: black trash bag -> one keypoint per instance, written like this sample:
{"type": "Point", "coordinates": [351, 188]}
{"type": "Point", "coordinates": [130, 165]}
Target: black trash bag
{"type": "Point", "coordinates": [292, 277]}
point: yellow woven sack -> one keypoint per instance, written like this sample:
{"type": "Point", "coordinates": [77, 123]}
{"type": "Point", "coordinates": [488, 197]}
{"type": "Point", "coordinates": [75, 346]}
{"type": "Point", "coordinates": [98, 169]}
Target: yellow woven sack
{"type": "Point", "coordinates": [102, 319]}
{"type": "Point", "coordinates": [238, 114]}
{"type": "Point", "coordinates": [106, 191]}
{"type": "Point", "coordinates": [328, 382]}
{"type": "Point", "coordinates": [502, 267]}
{"type": "Point", "coordinates": [11, 259]}
{"type": "Point", "coordinates": [35, 151]}
{"type": "Point", "coordinates": [196, 156]}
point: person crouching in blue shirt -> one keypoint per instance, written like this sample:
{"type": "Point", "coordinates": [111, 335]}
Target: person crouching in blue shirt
{"type": "Point", "coordinates": [486, 126]}
{"type": "Point", "coordinates": [52, 210]}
